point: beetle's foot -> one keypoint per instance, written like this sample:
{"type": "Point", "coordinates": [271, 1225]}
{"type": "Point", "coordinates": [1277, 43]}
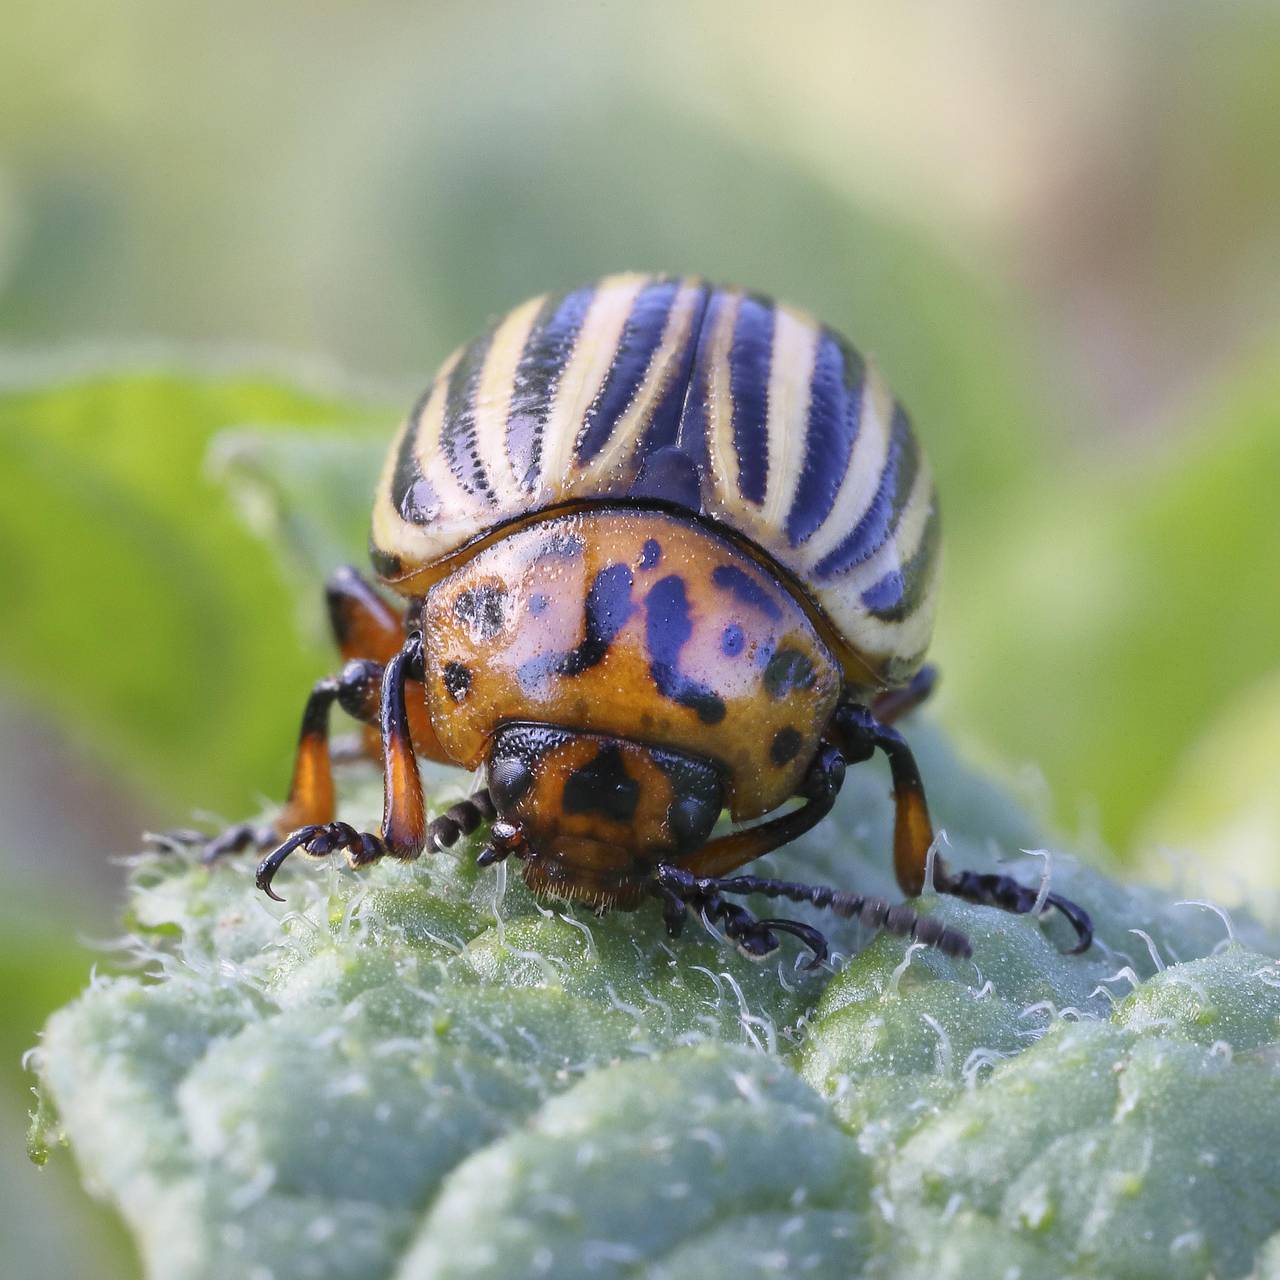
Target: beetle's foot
{"type": "Point", "coordinates": [318, 840]}
{"type": "Point", "coordinates": [675, 911]}
{"type": "Point", "coordinates": [235, 839]}
{"type": "Point", "coordinates": [753, 937]}
{"type": "Point", "coordinates": [994, 890]}
{"type": "Point", "coordinates": [681, 892]}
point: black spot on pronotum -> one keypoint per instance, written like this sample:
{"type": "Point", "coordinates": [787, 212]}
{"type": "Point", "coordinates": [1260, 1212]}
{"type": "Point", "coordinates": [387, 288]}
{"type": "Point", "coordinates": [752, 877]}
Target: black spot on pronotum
{"type": "Point", "coordinates": [457, 680]}
{"type": "Point", "coordinates": [538, 602]}
{"type": "Point", "coordinates": [603, 786]}
{"type": "Point", "coordinates": [788, 669]}
{"type": "Point", "coordinates": [607, 609]}
{"type": "Point", "coordinates": [667, 629]}
{"type": "Point", "coordinates": [482, 609]}
{"type": "Point", "coordinates": [785, 746]}
{"type": "Point", "coordinates": [742, 586]}
{"type": "Point", "coordinates": [650, 554]}
{"type": "Point", "coordinates": [732, 640]}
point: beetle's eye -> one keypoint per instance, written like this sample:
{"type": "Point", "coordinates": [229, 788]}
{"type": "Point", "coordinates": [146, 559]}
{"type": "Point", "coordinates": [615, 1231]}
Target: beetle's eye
{"type": "Point", "coordinates": [691, 818]}
{"type": "Point", "coordinates": [509, 778]}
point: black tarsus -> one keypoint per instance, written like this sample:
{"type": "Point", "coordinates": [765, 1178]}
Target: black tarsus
{"type": "Point", "coordinates": [995, 890]}
{"type": "Point", "coordinates": [321, 839]}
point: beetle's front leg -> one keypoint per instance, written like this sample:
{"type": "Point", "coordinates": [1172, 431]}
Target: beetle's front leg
{"type": "Point", "coordinates": [404, 823]}
{"type": "Point", "coordinates": [861, 734]}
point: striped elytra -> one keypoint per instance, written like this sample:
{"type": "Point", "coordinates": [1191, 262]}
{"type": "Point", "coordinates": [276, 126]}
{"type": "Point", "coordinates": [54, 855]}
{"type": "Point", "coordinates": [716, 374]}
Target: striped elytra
{"type": "Point", "coordinates": [675, 394]}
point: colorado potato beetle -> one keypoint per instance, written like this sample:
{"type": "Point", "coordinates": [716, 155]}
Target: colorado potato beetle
{"type": "Point", "coordinates": [667, 549]}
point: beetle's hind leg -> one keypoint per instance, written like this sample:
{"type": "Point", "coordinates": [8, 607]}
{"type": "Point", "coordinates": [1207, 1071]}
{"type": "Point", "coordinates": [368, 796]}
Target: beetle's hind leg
{"type": "Point", "coordinates": [892, 706]}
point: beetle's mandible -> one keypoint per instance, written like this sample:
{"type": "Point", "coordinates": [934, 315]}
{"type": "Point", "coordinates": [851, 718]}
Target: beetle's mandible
{"type": "Point", "coordinates": [665, 550]}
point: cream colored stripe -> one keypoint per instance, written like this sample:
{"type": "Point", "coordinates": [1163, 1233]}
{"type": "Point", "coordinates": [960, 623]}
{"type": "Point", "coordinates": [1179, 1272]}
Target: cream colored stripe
{"type": "Point", "coordinates": [879, 640]}
{"type": "Point", "coordinates": [903, 543]}
{"type": "Point", "coordinates": [663, 367]}
{"type": "Point", "coordinates": [722, 457]}
{"type": "Point", "coordinates": [584, 374]}
{"type": "Point", "coordinates": [863, 474]}
{"type": "Point", "coordinates": [795, 349]}
{"type": "Point", "coordinates": [493, 398]}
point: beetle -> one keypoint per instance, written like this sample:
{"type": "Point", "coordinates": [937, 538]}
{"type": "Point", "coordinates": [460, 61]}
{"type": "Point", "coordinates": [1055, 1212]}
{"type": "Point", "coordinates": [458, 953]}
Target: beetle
{"type": "Point", "coordinates": [666, 549]}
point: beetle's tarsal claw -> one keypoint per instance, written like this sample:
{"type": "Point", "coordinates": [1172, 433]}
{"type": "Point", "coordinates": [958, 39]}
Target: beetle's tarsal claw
{"type": "Point", "coordinates": [318, 840]}
{"type": "Point", "coordinates": [994, 890]}
{"type": "Point", "coordinates": [268, 867]}
{"type": "Point", "coordinates": [811, 937]}
{"type": "Point", "coordinates": [1078, 918]}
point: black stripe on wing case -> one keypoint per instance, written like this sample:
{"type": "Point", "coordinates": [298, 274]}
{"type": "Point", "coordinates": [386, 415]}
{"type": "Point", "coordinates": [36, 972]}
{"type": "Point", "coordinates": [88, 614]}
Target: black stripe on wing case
{"type": "Point", "coordinates": [458, 432]}
{"type": "Point", "coordinates": [869, 534]}
{"type": "Point", "coordinates": [664, 427]}
{"type": "Point", "coordinates": [414, 497]}
{"type": "Point", "coordinates": [641, 337]}
{"type": "Point", "coordinates": [691, 438]}
{"type": "Point", "coordinates": [900, 592]}
{"type": "Point", "coordinates": [835, 404]}
{"type": "Point", "coordinates": [750, 358]}
{"type": "Point", "coordinates": [547, 351]}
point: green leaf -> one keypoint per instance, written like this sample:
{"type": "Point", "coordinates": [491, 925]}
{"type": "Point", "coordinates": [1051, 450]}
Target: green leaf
{"type": "Point", "coordinates": [138, 608]}
{"type": "Point", "coordinates": [420, 1071]}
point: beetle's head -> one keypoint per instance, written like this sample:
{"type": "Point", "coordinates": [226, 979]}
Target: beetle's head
{"type": "Point", "coordinates": [597, 812]}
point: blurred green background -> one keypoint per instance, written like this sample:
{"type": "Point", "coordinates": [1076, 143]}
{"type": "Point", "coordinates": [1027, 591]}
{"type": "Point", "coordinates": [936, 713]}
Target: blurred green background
{"type": "Point", "coordinates": [1055, 226]}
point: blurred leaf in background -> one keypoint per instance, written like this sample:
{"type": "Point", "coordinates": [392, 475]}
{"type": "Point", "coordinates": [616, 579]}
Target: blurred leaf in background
{"type": "Point", "coordinates": [140, 610]}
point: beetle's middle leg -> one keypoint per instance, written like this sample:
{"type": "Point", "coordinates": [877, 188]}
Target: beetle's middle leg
{"type": "Point", "coordinates": [680, 890]}
{"type": "Point", "coordinates": [861, 734]}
